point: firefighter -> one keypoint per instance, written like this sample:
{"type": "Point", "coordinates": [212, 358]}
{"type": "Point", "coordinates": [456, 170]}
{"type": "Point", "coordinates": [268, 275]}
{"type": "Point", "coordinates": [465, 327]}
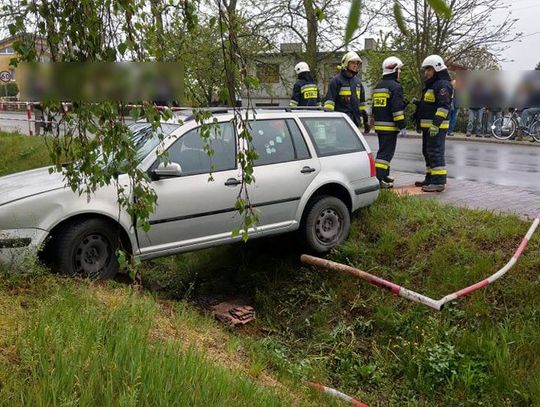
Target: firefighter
{"type": "Point", "coordinates": [346, 93]}
{"type": "Point", "coordinates": [305, 92]}
{"type": "Point", "coordinates": [389, 115]}
{"type": "Point", "coordinates": [432, 119]}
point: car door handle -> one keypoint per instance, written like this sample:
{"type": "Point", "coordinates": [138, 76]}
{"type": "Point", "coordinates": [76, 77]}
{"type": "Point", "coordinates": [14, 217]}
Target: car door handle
{"type": "Point", "coordinates": [307, 170]}
{"type": "Point", "coordinates": [231, 182]}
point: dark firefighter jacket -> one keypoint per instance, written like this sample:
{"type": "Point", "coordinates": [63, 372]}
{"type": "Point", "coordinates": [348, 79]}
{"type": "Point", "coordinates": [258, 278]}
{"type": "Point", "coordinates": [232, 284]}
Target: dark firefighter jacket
{"type": "Point", "coordinates": [388, 105]}
{"type": "Point", "coordinates": [347, 95]}
{"type": "Point", "coordinates": [434, 106]}
{"type": "Point", "coordinates": [305, 93]}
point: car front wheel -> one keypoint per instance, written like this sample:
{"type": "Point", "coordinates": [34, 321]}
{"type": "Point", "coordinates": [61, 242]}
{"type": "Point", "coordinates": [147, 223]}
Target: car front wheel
{"type": "Point", "coordinates": [87, 249]}
{"type": "Point", "coordinates": [326, 225]}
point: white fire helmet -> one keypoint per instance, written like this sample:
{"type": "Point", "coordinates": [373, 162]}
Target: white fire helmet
{"type": "Point", "coordinates": [301, 67]}
{"type": "Point", "coordinates": [349, 57]}
{"type": "Point", "coordinates": [391, 65]}
{"type": "Point", "coordinates": [434, 61]}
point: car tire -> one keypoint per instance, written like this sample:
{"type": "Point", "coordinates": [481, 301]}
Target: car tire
{"type": "Point", "coordinates": [327, 222]}
{"type": "Point", "coordinates": [87, 249]}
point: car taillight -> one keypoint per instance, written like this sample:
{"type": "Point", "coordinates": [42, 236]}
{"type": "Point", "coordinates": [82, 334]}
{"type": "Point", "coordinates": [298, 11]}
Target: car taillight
{"type": "Point", "coordinates": [372, 171]}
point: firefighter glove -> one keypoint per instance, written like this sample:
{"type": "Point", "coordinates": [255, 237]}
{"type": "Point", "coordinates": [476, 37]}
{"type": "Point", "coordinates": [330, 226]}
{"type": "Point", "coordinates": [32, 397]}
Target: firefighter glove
{"type": "Point", "coordinates": [367, 127]}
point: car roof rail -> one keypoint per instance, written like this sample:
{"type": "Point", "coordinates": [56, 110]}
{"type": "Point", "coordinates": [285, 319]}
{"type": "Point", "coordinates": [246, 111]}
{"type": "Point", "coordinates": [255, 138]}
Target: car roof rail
{"type": "Point", "coordinates": [213, 110]}
{"type": "Point", "coordinates": [294, 108]}
{"type": "Point", "coordinates": [225, 109]}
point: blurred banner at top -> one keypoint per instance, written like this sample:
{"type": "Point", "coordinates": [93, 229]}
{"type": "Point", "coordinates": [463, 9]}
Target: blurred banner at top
{"type": "Point", "coordinates": [129, 82]}
{"type": "Point", "coordinates": [499, 90]}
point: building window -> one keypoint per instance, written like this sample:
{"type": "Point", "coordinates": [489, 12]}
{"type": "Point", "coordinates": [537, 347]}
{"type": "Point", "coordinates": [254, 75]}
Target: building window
{"type": "Point", "coordinates": [7, 50]}
{"type": "Point", "coordinates": [268, 73]}
{"type": "Point", "coordinates": [12, 72]}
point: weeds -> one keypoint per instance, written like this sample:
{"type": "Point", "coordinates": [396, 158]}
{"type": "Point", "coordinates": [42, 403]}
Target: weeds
{"type": "Point", "coordinates": [311, 324]}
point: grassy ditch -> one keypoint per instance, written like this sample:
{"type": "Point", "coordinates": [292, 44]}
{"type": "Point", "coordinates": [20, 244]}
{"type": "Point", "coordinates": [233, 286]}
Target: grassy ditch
{"type": "Point", "coordinates": [67, 342]}
{"type": "Point", "coordinates": [333, 329]}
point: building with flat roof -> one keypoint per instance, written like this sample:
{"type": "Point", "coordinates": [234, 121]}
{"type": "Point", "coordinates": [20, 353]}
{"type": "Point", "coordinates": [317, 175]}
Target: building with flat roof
{"type": "Point", "coordinates": [275, 72]}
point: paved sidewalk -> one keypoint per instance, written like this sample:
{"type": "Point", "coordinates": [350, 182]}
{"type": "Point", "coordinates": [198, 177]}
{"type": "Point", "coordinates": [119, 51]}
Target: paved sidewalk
{"type": "Point", "coordinates": [477, 195]}
{"type": "Point", "coordinates": [463, 137]}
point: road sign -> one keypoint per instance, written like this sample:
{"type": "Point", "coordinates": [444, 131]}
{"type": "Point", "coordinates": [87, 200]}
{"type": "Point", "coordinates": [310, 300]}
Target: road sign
{"type": "Point", "coordinates": [5, 76]}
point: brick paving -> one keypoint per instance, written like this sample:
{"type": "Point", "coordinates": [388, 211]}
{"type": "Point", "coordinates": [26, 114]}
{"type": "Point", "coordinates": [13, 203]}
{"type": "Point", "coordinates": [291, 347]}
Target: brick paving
{"type": "Point", "coordinates": [477, 195]}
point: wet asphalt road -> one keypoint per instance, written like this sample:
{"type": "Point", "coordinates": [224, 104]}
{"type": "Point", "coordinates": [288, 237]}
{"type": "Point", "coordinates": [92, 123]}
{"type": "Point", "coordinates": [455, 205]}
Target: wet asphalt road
{"type": "Point", "coordinates": [492, 163]}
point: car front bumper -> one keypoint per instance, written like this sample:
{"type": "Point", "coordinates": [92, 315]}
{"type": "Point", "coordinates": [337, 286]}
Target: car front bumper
{"type": "Point", "coordinates": [16, 244]}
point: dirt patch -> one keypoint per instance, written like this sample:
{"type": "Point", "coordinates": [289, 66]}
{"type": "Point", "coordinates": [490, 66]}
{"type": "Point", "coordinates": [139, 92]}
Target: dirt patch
{"type": "Point", "coordinates": [408, 191]}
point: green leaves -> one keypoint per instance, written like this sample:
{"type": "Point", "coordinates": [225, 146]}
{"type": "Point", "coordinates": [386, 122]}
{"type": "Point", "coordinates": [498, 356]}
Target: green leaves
{"type": "Point", "coordinates": [122, 47]}
{"type": "Point", "coordinates": [440, 7]}
{"type": "Point", "coordinates": [354, 20]}
{"type": "Point", "coordinates": [251, 82]}
{"type": "Point", "coordinates": [399, 19]}
{"type": "Point", "coordinates": [319, 14]}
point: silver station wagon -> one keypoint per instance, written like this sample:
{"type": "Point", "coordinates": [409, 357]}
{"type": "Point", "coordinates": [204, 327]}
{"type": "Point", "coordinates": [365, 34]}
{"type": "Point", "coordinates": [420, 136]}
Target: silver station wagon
{"type": "Point", "coordinates": [314, 169]}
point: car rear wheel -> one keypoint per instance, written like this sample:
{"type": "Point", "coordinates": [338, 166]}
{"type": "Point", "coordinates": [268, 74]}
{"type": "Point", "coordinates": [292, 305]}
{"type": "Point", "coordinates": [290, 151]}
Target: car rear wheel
{"type": "Point", "coordinates": [326, 225]}
{"type": "Point", "coordinates": [87, 249]}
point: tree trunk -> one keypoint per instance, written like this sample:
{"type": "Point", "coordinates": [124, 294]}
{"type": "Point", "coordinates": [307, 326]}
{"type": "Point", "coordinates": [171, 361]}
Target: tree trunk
{"type": "Point", "coordinates": [231, 62]}
{"type": "Point", "coordinates": [312, 28]}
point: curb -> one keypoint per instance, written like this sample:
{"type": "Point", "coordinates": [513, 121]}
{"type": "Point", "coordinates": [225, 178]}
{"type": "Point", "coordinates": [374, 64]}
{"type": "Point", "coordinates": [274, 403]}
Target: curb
{"type": "Point", "coordinates": [462, 137]}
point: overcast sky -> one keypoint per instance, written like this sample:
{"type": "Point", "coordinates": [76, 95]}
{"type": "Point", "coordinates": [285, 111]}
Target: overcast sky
{"type": "Point", "coordinates": [525, 54]}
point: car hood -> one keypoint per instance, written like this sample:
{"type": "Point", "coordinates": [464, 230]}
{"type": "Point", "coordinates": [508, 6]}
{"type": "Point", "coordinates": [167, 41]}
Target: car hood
{"type": "Point", "coordinates": [28, 183]}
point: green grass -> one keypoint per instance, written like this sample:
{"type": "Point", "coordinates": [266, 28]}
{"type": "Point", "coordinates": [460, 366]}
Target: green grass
{"type": "Point", "coordinates": [68, 342]}
{"type": "Point", "coordinates": [21, 153]}
{"type": "Point", "coordinates": [334, 329]}
{"type": "Point", "coordinates": [311, 324]}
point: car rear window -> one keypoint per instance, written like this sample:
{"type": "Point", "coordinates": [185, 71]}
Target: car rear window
{"type": "Point", "coordinates": [332, 135]}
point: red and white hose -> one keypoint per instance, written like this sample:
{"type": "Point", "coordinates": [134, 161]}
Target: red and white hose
{"type": "Point", "coordinates": [29, 117]}
{"type": "Point", "coordinates": [417, 297]}
{"type": "Point", "coordinates": [337, 394]}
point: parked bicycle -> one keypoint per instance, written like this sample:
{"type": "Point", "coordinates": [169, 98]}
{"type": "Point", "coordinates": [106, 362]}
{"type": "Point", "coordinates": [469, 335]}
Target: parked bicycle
{"type": "Point", "coordinates": [507, 127]}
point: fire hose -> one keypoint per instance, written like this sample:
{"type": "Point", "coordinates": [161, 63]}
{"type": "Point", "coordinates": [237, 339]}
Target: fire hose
{"type": "Point", "coordinates": [417, 297]}
{"type": "Point", "coordinates": [337, 394]}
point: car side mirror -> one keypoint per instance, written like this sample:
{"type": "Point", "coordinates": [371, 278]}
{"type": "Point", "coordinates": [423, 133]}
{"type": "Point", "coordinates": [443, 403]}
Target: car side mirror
{"type": "Point", "coordinates": [171, 169]}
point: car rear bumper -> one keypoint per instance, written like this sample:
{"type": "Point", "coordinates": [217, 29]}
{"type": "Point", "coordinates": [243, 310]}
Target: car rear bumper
{"type": "Point", "coordinates": [366, 193]}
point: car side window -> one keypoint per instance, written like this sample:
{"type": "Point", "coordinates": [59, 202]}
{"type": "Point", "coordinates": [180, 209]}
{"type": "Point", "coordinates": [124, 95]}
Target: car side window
{"type": "Point", "coordinates": [272, 141]}
{"type": "Point", "coordinates": [300, 147]}
{"type": "Point", "coordinates": [332, 135]}
{"type": "Point", "coordinates": [189, 150]}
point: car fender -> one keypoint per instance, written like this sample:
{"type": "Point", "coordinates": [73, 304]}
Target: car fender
{"type": "Point", "coordinates": [322, 179]}
{"type": "Point", "coordinates": [48, 210]}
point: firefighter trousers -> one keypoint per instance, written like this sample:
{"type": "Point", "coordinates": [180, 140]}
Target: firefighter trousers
{"type": "Point", "coordinates": [433, 149]}
{"type": "Point", "coordinates": [387, 148]}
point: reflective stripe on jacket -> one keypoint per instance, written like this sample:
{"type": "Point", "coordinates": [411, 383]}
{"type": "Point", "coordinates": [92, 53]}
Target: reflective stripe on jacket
{"type": "Point", "coordinates": [435, 104]}
{"type": "Point", "coordinates": [305, 94]}
{"type": "Point", "coordinates": [347, 95]}
{"type": "Point", "coordinates": [388, 105]}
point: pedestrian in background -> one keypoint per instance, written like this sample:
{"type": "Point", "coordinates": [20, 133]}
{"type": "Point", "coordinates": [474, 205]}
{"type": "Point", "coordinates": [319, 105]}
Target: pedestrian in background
{"type": "Point", "coordinates": [456, 104]}
{"type": "Point", "coordinates": [476, 108]}
{"type": "Point", "coordinates": [494, 101]}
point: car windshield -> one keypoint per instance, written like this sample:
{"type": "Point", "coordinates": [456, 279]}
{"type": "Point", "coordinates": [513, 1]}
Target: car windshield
{"type": "Point", "coordinates": [146, 138]}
